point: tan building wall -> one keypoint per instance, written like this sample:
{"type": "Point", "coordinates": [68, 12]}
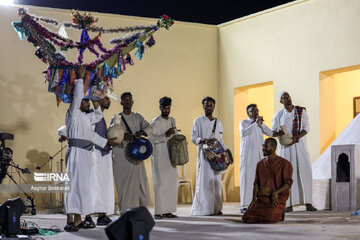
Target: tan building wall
{"type": "Point", "coordinates": [288, 45]}
{"type": "Point", "coordinates": [182, 65]}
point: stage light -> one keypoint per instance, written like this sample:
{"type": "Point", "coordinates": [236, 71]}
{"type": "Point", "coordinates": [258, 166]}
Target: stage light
{"type": "Point", "coordinates": [6, 2]}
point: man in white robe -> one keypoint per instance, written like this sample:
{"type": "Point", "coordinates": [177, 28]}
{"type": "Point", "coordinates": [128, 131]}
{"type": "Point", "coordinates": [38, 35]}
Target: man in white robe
{"type": "Point", "coordinates": [163, 172]}
{"type": "Point", "coordinates": [296, 120]}
{"type": "Point", "coordinates": [102, 179]}
{"type": "Point", "coordinates": [207, 199]}
{"type": "Point", "coordinates": [81, 199]}
{"type": "Point", "coordinates": [252, 132]}
{"type": "Point", "coordinates": [104, 170]}
{"type": "Point", "coordinates": [130, 175]}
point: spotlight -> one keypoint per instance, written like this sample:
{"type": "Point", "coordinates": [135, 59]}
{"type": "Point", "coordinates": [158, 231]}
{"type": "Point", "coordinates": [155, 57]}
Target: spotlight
{"type": "Point", "coordinates": [6, 2]}
{"type": "Point", "coordinates": [10, 213]}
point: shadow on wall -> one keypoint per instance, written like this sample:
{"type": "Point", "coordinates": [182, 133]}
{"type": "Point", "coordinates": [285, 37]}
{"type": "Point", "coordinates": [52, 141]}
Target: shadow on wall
{"type": "Point", "coordinates": [25, 105]}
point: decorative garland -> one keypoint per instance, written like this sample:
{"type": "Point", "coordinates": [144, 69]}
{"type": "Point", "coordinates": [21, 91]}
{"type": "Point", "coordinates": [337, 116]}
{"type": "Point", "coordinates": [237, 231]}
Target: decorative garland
{"type": "Point", "coordinates": [109, 63]}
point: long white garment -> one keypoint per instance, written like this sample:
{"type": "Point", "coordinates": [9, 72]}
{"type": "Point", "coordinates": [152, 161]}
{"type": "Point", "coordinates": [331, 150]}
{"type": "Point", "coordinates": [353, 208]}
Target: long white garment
{"type": "Point", "coordinates": [163, 173]}
{"type": "Point", "coordinates": [130, 176]}
{"type": "Point", "coordinates": [251, 140]}
{"type": "Point", "coordinates": [104, 175]}
{"type": "Point", "coordinates": [79, 162]}
{"type": "Point", "coordinates": [207, 198]}
{"type": "Point", "coordinates": [298, 155]}
{"type": "Point", "coordinates": [102, 181]}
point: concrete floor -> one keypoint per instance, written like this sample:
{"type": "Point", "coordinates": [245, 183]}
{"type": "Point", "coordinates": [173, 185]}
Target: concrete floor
{"type": "Point", "coordinates": [298, 225]}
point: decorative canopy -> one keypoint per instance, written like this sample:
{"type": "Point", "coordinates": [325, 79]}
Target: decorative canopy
{"type": "Point", "coordinates": [109, 63]}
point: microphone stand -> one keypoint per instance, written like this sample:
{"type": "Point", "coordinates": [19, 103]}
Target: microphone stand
{"type": "Point", "coordinates": [51, 158]}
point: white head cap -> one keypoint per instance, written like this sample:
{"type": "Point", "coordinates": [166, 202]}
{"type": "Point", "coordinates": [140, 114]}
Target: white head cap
{"type": "Point", "coordinates": [281, 94]}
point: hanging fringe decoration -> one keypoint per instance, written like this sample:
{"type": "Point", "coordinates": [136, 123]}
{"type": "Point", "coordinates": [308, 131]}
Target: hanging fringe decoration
{"type": "Point", "coordinates": [109, 63]}
{"type": "Point", "coordinates": [150, 42]}
{"type": "Point", "coordinates": [140, 50]}
{"type": "Point", "coordinates": [129, 60]}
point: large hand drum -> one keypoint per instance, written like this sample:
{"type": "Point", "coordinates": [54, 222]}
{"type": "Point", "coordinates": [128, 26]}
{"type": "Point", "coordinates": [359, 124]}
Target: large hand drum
{"type": "Point", "coordinates": [140, 149]}
{"type": "Point", "coordinates": [116, 130]}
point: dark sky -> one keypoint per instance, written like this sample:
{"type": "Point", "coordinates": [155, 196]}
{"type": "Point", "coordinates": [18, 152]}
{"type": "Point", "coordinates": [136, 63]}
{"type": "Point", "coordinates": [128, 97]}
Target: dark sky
{"type": "Point", "coordinates": [209, 12]}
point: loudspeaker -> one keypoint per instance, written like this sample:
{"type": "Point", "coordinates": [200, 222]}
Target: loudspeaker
{"type": "Point", "coordinates": [134, 224]}
{"type": "Point", "coordinates": [10, 213]}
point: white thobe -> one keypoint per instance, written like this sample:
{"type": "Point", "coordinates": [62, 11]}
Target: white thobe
{"type": "Point", "coordinates": [298, 155]}
{"type": "Point", "coordinates": [103, 168]}
{"type": "Point", "coordinates": [163, 173]}
{"type": "Point", "coordinates": [207, 199]}
{"type": "Point", "coordinates": [251, 141]}
{"type": "Point", "coordinates": [82, 199]}
{"type": "Point", "coordinates": [102, 180]}
{"type": "Point", "coordinates": [130, 176]}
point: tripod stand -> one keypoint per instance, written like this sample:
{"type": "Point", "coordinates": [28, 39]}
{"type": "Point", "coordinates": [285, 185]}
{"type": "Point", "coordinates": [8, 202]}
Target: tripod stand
{"type": "Point", "coordinates": [23, 170]}
{"type": "Point", "coordinates": [51, 158]}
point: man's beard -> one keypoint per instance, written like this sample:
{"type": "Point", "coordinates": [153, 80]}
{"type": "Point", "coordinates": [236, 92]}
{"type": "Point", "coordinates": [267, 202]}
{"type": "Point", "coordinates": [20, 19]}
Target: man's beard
{"type": "Point", "coordinates": [208, 112]}
{"type": "Point", "coordinates": [266, 153]}
{"type": "Point", "coordinates": [165, 114]}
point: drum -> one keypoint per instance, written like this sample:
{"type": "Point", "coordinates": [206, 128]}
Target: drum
{"type": "Point", "coordinates": [140, 149]}
{"type": "Point", "coordinates": [286, 138]}
{"type": "Point", "coordinates": [218, 159]}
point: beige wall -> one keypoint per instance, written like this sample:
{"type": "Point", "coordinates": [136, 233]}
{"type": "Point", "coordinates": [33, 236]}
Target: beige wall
{"type": "Point", "coordinates": [290, 46]}
{"type": "Point", "coordinates": [337, 90]}
{"type": "Point", "coordinates": [182, 65]}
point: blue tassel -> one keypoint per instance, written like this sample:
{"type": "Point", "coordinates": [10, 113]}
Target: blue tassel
{"type": "Point", "coordinates": [140, 50]}
{"type": "Point", "coordinates": [19, 28]}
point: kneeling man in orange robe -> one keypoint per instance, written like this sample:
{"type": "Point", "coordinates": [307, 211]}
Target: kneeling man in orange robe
{"type": "Point", "coordinates": [271, 187]}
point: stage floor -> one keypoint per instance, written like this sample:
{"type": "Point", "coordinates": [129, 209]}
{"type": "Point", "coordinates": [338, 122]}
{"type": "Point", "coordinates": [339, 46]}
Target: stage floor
{"type": "Point", "coordinates": [297, 225]}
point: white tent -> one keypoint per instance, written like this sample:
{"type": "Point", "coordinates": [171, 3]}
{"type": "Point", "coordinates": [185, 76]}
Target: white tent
{"type": "Point", "coordinates": [350, 135]}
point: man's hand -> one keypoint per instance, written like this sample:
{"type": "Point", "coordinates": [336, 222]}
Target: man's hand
{"type": "Point", "coordinates": [140, 133]}
{"type": "Point", "coordinates": [259, 120]}
{"type": "Point", "coordinates": [274, 199]}
{"type": "Point", "coordinates": [170, 132]}
{"type": "Point", "coordinates": [230, 155]}
{"type": "Point", "coordinates": [111, 142]}
{"type": "Point", "coordinates": [62, 139]}
{"type": "Point", "coordinates": [295, 139]}
{"type": "Point", "coordinates": [128, 137]}
{"type": "Point", "coordinates": [207, 141]}
{"type": "Point", "coordinates": [81, 71]}
{"type": "Point", "coordinates": [278, 134]}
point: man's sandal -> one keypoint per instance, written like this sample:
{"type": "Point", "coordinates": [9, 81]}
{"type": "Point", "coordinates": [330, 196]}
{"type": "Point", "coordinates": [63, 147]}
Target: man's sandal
{"type": "Point", "coordinates": [70, 227]}
{"type": "Point", "coordinates": [84, 224]}
{"type": "Point", "coordinates": [90, 221]}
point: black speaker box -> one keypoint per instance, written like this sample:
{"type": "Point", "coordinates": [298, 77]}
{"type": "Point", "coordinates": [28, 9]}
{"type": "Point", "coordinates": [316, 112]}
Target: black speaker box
{"type": "Point", "coordinates": [135, 224]}
{"type": "Point", "coordinates": [10, 213]}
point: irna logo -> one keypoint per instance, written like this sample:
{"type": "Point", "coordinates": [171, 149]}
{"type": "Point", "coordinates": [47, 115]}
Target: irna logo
{"type": "Point", "coordinates": [51, 177]}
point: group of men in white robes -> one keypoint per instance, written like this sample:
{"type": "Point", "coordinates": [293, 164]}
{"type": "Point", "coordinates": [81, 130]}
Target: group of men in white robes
{"type": "Point", "coordinates": [86, 131]}
{"type": "Point", "coordinates": [252, 130]}
{"type": "Point", "coordinates": [102, 167]}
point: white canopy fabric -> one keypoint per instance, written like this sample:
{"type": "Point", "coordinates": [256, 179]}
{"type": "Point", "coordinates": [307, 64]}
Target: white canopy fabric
{"type": "Point", "coordinates": [350, 135]}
